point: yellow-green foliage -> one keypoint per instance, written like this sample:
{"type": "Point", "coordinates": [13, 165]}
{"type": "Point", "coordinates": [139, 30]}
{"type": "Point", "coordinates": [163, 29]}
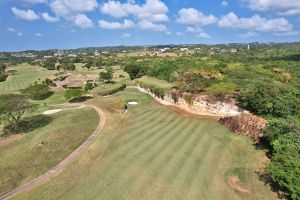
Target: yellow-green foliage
{"type": "Point", "coordinates": [283, 75]}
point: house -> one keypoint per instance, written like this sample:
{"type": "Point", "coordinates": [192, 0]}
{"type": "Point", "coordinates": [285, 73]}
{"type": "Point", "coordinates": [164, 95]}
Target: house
{"type": "Point", "coordinates": [75, 81]}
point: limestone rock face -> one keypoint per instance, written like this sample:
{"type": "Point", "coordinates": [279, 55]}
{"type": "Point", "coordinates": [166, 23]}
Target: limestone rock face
{"type": "Point", "coordinates": [229, 114]}
{"type": "Point", "coordinates": [199, 104]}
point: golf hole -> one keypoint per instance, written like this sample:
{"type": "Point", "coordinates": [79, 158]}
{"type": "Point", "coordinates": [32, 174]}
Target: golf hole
{"type": "Point", "coordinates": [133, 103]}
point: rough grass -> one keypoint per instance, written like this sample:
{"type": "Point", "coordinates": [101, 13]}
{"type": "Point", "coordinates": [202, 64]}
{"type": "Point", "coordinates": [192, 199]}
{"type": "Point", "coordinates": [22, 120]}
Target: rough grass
{"type": "Point", "coordinates": [153, 152]}
{"type": "Point", "coordinates": [23, 158]}
{"type": "Point", "coordinates": [155, 82]}
{"type": "Point", "coordinates": [26, 75]}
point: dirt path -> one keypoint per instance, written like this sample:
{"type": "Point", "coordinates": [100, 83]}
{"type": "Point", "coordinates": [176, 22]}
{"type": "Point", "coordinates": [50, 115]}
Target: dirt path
{"type": "Point", "coordinates": [59, 168]}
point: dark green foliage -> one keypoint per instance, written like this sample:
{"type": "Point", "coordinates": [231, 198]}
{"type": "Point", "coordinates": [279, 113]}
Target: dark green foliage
{"type": "Point", "coordinates": [89, 86]}
{"type": "Point", "coordinates": [264, 98]}
{"type": "Point", "coordinates": [13, 107]}
{"type": "Point", "coordinates": [285, 172]}
{"type": "Point", "coordinates": [278, 126]}
{"type": "Point", "coordinates": [49, 64]}
{"type": "Point", "coordinates": [106, 76]}
{"type": "Point", "coordinates": [3, 77]}
{"type": "Point", "coordinates": [135, 71]}
{"type": "Point", "coordinates": [26, 125]}
{"type": "Point", "coordinates": [2, 67]}
{"type": "Point", "coordinates": [37, 91]}
{"type": "Point", "coordinates": [66, 66]}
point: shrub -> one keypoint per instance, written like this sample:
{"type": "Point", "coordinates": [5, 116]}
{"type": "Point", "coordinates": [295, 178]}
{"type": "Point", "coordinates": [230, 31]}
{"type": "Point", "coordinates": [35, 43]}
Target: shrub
{"type": "Point", "coordinates": [73, 94]}
{"type": "Point", "coordinates": [3, 77]}
{"type": "Point", "coordinates": [37, 92]}
{"type": "Point", "coordinates": [112, 89]}
{"type": "Point", "coordinates": [27, 124]}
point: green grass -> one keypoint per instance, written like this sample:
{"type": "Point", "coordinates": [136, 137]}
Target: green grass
{"type": "Point", "coordinates": [154, 152]}
{"type": "Point", "coordinates": [23, 159]}
{"type": "Point", "coordinates": [155, 82]}
{"type": "Point", "coordinates": [25, 77]}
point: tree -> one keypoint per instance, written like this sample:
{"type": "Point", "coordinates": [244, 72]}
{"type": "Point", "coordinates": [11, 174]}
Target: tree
{"type": "Point", "coordinates": [3, 77]}
{"type": "Point", "coordinates": [13, 107]}
{"type": "Point", "coordinates": [89, 86]}
{"type": "Point", "coordinates": [67, 66]}
{"type": "Point", "coordinates": [2, 67]}
{"type": "Point", "coordinates": [134, 71]}
{"type": "Point", "coordinates": [37, 92]}
{"type": "Point", "coordinates": [106, 76]}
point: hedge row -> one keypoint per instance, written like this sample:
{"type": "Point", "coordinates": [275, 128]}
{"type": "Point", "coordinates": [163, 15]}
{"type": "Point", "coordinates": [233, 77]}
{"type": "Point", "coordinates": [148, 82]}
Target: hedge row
{"type": "Point", "coordinates": [115, 88]}
{"type": "Point", "coordinates": [157, 91]}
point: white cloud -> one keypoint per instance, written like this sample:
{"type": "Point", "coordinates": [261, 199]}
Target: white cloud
{"type": "Point", "coordinates": [73, 11]}
{"type": "Point", "coordinates": [49, 18]}
{"type": "Point", "coordinates": [255, 23]}
{"type": "Point", "coordinates": [116, 25]}
{"type": "Point", "coordinates": [198, 31]}
{"type": "Point", "coordinates": [19, 34]}
{"type": "Point", "coordinates": [34, 1]}
{"type": "Point", "coordinates": [168, 33]}
{"type": "Point", "coordinates": [148, 25]}
{"type": "Point", "coordinates": [66, 8]}
{"type": "Point", "coordinates": [249, 35]}
{"type": "Point", "coordinates": [152, 10]}
{"type": "Point", "coordinates": [224, 3]}
{"type": "Point", "coordinates": [39, 35]}
{"type": "Point", "coordinates": [192, 16]}
{"type": "Point", "coordinates": [83, 21]}
{"type": "Point", "coordinates": [11, 29]}
{"type": "Point", "coordinates": [281, 7]}
{"type": "Point", "coordinates": [126, 35]}
{"type": "Point", "coordinates": [25, 14]}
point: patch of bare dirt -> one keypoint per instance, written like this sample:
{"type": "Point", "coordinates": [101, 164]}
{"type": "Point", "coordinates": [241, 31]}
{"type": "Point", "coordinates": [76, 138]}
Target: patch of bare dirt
{"type": "Point", "coordinates": [235, 183]}
{"type": "Point", "coordinates": [11, 139]}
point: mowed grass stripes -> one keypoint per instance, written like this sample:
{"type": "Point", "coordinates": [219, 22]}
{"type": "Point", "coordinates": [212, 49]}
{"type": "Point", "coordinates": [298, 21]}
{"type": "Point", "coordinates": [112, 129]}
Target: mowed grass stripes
{"type": "Point", "coordinates": [25, 76]}
{"type": "Point", "coordinates": [161, 155]}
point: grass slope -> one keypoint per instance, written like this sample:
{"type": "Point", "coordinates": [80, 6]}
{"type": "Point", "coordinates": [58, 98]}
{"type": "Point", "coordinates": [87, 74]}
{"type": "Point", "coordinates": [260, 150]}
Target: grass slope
{"type": "Point", "coordinates": [23, 159]}
{"type": "Point", "coordinates": [153, 152]}
{"type": "Point", "coordinates": [25, 77]}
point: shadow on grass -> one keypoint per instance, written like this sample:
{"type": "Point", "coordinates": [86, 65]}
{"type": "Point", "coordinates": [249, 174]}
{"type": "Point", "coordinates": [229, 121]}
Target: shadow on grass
{"type": "Point", "coordinates": [80, 99]}
{"type": "Point", "coordinates": [26, 125]}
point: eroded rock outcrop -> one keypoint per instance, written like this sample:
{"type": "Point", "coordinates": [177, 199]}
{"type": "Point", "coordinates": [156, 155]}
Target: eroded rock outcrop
{"type": "Point", "coordinates": [229, 114]}
{"type": "Point", "coordinates": [245, 123]}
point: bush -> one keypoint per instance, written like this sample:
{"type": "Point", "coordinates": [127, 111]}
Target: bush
{"type": "Point", "coordinates": [269, 99]}
{"type": "Point", "coordinates": [284, 170]}
{"type": "Point", "coordinates": [112, 89]}
{"type": "Point", "coordinates": [3, 77]}
{"type": "Point", "coordinates": [73, 94]}
{"type": "Point", "coordinates": [37, 92]}
{"type": "Point", "coordinates": [27, 124]}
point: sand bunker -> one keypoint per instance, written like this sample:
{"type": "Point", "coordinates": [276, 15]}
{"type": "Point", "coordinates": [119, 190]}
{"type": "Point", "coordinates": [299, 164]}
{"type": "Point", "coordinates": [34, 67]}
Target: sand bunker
{"type": "Point", "coordinates": [133, 103]}
{"type": "Point", "coordinates": [50, 112]}
{"type": "Point", "coordinates": [235, 183]}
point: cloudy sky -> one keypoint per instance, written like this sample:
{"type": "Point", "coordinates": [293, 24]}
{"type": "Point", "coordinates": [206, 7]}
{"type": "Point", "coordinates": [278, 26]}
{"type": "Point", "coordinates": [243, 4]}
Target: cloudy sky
{"type": "Point", "coordinates": [44, 24]}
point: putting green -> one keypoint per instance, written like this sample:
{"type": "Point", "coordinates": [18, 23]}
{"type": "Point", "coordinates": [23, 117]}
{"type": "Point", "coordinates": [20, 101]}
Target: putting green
{"type": "Point", "coordinates": [154, 152]}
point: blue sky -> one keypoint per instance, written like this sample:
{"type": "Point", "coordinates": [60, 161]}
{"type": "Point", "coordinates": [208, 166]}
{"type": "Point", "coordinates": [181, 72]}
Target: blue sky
{"type": "Point", "coordinates": [47, 24]}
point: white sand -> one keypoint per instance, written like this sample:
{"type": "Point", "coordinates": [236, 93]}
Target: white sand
{"type": "Point", "coordinates": [50, 112]}
{"type": "Point", "coordinates": [133, 103]}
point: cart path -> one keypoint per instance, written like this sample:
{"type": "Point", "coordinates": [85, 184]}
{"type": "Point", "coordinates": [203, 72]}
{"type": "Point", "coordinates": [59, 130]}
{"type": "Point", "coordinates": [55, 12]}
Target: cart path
{"type": "Point", "coordinates": [59, 168]}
